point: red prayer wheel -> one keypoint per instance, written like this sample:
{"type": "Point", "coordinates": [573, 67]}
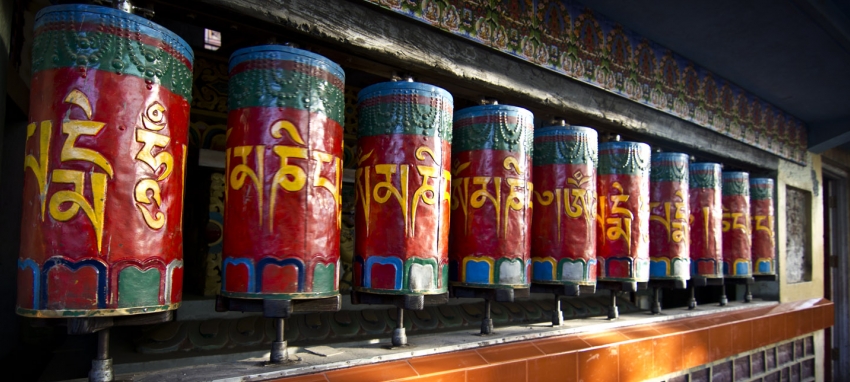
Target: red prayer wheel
{"type": "Point", "coordinates": [706, 221]}
{"type": "Point", "coordinates": [491, 197]}
{"type": "Point", "coordinates": [764, 240]}
{"type": "Point", "coordinates": [737, 255]}
{"type": "Point", "coordinates": [284, 173]}
{"type": "Point", "coordinates": [402, 189]}
{"type": "Point", "coordinates": [668, 220]}
{"type": "Point", "coordinates": [622, 248]}
{"type": "Point", "coordinates": [105, 163]}
{"type": "Point", "coordinates": [563, 245]}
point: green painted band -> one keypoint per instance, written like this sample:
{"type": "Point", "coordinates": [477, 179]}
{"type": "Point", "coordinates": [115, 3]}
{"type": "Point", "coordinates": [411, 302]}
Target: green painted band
{"type": "Point", "coordinates": [388, 118]}
{"type": "Point", "coordinates": [736, 187]}
{"type": "Point", "coordinates": [704, 179]}
{"type": "Point", "coordinates": [489, 136]}
{"type": "Point", "coordinates": [108, 52]}
{"type": "Point", "coordinates": [578, 151]}
{"type": "Point", "coordinates": [761, 193]}
{"type": "Point", "coordinates": [669, 173]}
{"type": "Point", "coordinates": [286, 88]}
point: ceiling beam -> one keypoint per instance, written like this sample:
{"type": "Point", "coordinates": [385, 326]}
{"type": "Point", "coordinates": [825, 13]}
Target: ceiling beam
{"type": "Point", "coordinates": [824, 136]}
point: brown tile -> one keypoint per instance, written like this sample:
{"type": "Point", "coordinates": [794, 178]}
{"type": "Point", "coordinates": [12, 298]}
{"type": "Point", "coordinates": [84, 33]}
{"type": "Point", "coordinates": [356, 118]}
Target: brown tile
{"type": "Point", "coordinates": [509, 352]}
{"type": "Point", "coordinates": [455, 376]}
{"type": "Point", "coordinates": [720, 342]}
{"type": "Point", "coordinates": [378, 372]}
{"type": "Point", "coordinates": [804, 320]}
{"type": "Point", "coordinates": [742, 336]}
{"type": "Point", "coordinates": [446, 362]}
{"type": "Point", "coordinates": [303, 378]}
{"type": "Point", "coordinates": [636, 360]}
{"type": "Point", "coordinates": [777, 328]}
{"type": "Point", "coordinates": [818, 317]}
{"type": "Point", "coordinates": [671, 327]}
{"type": "Point", "coordinates": [829, 315]}
{"type": "Point", "coordinates": [559, 367]}
{"type": "Point", "coordinates": [561, 344]}
{"type": "Point", "coordinates": [603, 338]}
{"type": "Point", "coordinates": [668, 355]}
{"type": "Point", "coordinates": [639, 332]}
{"type": "Point", "coordinates": [507, 372]}
{"type": "Point", "coordinates": [695, 348]}
{"type": "Point", "coordinates": [791, 324]}
{"type": "Point", "coordinates": [761, 332]}
{"type": "Point", "coordinates": [598, 364]}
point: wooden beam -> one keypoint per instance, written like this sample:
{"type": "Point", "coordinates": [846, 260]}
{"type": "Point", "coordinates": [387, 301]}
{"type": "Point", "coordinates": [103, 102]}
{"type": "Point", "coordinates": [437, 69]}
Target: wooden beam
{"type": "Point", "coordinates": [465, 67]}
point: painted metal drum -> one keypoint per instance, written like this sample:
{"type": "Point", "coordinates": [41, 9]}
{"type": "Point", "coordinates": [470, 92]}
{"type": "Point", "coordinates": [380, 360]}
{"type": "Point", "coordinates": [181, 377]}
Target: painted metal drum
{"type": "Point", "coordinates": [563, 229]}
{"type": "Point", "coordinates": [491, 197]}
{"type": "Point", "coordinates": [706, 221]}
{"type": "Point", "coordinates": [736, 225]}
{"type": "Point", "coordinates": [668, 220]}
{"type": "Point", "coordinates": [764, 241]}
{"type": "Point", "coordinates": [284, 173]}
{"type": "Point", "coordinates": [622, 248]}
{"type": "Point", "coordinates": [402, 189]}
{"type": "Point", "coordinates": [101, 232]}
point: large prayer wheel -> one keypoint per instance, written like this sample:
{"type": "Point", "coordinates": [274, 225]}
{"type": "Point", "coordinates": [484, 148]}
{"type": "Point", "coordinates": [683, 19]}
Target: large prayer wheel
{"type": "Point", "coordinates": [402, 189]}
{"type": "Point", "coordinates": [563, 245]}
{"type": "Point", "coordinates": [101, 232]}
{"type": "Point", "coordinates": [706, 221]}
{"type": "Point", "coordinates": [284, 174]}
{"type": "Point", "coordinates": [737, 242]}
{"type": "Point", "coordinates": [764, 242]}
{"type": "Point", "coordinates": [491, 197]}
{"type": "Point", "coordinates": [622, 236]}
{"type": "Point", "coordinates": [668, 220]}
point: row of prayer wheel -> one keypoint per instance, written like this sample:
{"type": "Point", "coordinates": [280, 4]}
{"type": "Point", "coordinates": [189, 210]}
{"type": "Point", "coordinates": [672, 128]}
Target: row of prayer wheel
{"type": "Point", "coordinates": [473, 198]}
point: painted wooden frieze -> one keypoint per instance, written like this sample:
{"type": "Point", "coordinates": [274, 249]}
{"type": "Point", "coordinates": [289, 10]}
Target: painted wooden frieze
{"type": "Point", "coordinates": [706, 220]}
{"type": "Point", "coordinates": [491, 197]}
{"type": "Point", "coordinates": [737, 242]}
{"type": "Point", "coordinates": [569, 38]}
{"type": "Point", "coordinates": [668, 221]}
{"type": "Point", "coordinates": [283, 170]}
{"type": "Point", "coordinates": [563, 233]}
{"type": "Point", "coordinates": [622, 236]}
{"type": "Point", "coordinates": [402, 189]}
{"type": "Point", "coordinates": [101, 231]}
{"type": "Point", "coordinates": [764, 240]}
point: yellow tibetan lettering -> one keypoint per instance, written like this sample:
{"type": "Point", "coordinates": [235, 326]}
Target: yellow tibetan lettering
{"type": "Point", "coordinates": [39, 166]}
{"type": "Point", "coordinates": [482, 195]}
{"type": "Point", "coordinates": [141, 196]}
{"type": "Point", "coordinates": [94, 212]}
{"type": "Point", "coordinates": [621, 227]}
{"type": "Point", "coordinates": [240, 172]}
{"type": "Point", "coordinates": [290, 177]}
{"type": "Point", "coordinates": [389, 190]}
{"type": "Point", "coordinates": [152, 140]}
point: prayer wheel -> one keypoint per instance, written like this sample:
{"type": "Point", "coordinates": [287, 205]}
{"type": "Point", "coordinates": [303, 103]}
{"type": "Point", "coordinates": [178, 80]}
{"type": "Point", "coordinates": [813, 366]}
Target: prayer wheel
{"type": "Point", "coordinates": [491, 197]}
{"type": "Point", "coordinates": [284, 173]}
{"type": "Point", "coordinates": [563, 245]}
{"type": "Point", "coordinates": [622, 248]}
{"type": "Point", "coordinates": [736, 225]}
{"type": "Point", "coordinates": [706, 222]}
{"type": "Point", "coordinates": [105, 160]}
{"type": "Point", "coordinates": [764, 242]}
{"type": "Point", "coordinates": [668, 220]}
{"type": "Point", "coordinates": [402, 189]}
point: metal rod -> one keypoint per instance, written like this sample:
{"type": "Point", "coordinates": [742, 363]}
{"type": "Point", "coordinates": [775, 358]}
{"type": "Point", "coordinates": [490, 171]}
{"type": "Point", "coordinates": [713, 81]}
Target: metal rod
{"type": "Point", "coordinates": [692, 304]}
{"type": "Point", "coordinates": [656, 303]}
{"type": "Point", "coordinates": [399, 333]}
{"type": "Point", "coordinates": [723, 299]}
{"type": "Point", "coordinates": [613, 312]}
{"type": "Point", "coordinates": [557, 314]}
{"type": "Point", "coordinates": [101, 366]}
{"type": "Point", "coordinates": [748, 295]}
{"type": "Point", "coordinates": [280, 352]}
{"type": "Point", "coordinates": [487, 322]}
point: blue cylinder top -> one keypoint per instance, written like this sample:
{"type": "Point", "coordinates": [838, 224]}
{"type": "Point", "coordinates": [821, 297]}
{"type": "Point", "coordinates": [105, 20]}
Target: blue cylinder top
{"type": "Point", "coordinates": [714, 167]}
{"type": "Point", "coordinates": [628, 158]}
{"type": "Point", "coordinates": [284, 53]}
{"type": "Point", "coordinates": [392, 87]}
{"type": "Point", "coordinates": [488, 110]}
{"type": "Point", "coordinates": [82, 13]}
{"type": "Point", "coordinates": [733, 176]}
{"type": "Point", "coordinates": [669, 157]}
{"type": "Point", "coordinates": [766, 181]}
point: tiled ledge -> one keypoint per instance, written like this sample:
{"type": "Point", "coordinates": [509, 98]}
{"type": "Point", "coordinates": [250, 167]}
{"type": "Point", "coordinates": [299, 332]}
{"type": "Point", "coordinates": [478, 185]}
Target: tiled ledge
{"type": "Point", "coordinates": [678, 337]}
{"type": "Point", "coordinates": [633, 353]}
